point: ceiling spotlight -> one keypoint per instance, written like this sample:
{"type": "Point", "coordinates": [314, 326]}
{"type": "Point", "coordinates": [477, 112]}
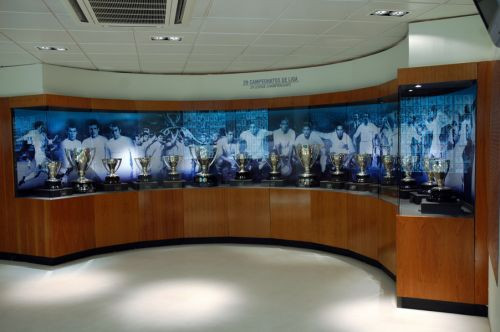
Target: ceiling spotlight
{"type": "Point", "coordinates": [418, 86]}
{"type": "Point", "coordinates": [398, 13]}
{"type": "Point", "coordinates": [381, 12]}
{"type": "Point", "coordinates": [410, 90]}
{"type": "Point", "coordinates": [51, 48]}
{"type": "Point", "coordinates": [394, 13]}
{"type": "Point", "coordinates": [169, 38]}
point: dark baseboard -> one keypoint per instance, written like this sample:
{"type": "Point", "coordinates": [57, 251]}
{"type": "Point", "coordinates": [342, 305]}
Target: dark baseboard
{"type": "Point", "coordinates": [51, 261]}
{"type": "Point", "coordinates": [443, 306]}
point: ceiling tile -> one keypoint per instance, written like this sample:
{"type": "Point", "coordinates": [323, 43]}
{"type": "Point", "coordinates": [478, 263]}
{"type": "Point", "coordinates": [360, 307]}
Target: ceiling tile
{"type": "Point", "coordinates": [258, 58]}
{"type": "Point", "coordinates": [248, 9]}
{"type": "Point", "coordinates": [334, 41]}
{"type": "Point", "coordinates": [23, 6]}
{"type": "Point", "coordinates": [297, 61]}
{"type": "Point", "coordinates": [200, 8]}
{"type": "Point", "coordinates": [449, 11]}
{"type": "Point", "coordinates": [110, 57]}
{"type": "Point", "coordinates": [460, 2]}
{"type": "Point", "coordinates": [414, 1]}
{"type": "Point", "coordinates": [227, 25]}
{"type": "Point", "coordinates": [10, 47]}
{"type": "Point", "coordinates": [59, 6]}
{"type": "Point", "coordinates": [60, 56]}
{"type": "Point", "coordinates": [211, 57]}
{"type": "Point", "coordinates": [275, 40]}
{"type": "Point", "coordinates": [116, 48]}
{"type": "Point", "coordinates": [361, 29]}
{"type": "Point", "coordinates": [43, 36]}
{"type": "Point", "coordinates": [74, 64]}
{"type": "Point", "coordinates": [14, 20]}
{"type": "Point", "coordinates": [247, 66]}
{"type": "Point", "coordinates": [269, 50]}
{"type": "Point", "coordinates": [164, 48]}
{"type": "Point", "coordinates": [218, 49]}
{"type": "Point", "coordinates": [400, 30]}
{"type": "Point", "coordinates": [322, 9]}
{"type": "Point", "coordinates": [17, 59]}
{"type": "Point", "coordinates": [3, 37]}
{"type": "Point", "coordinates": [318, 51]}
{"type": "Point", "coordinates": [146, 58]}
{"type": "Point", "coordinates": [163, 68]}
{"type": "Point", "coordinates": [414, 9]}
{"type": "Point", "coordinates": [192, 26]}
{"type": "Point", "coordinates": [226, 38]}
{"type": "Point", "coordinates": [82, 36]}
{"type": "Point", "coordinates": [284, 26]}
{"type": "Point", "coordinates": [118, 66]}
{"type": "Point", "coordinates": [144, 37]}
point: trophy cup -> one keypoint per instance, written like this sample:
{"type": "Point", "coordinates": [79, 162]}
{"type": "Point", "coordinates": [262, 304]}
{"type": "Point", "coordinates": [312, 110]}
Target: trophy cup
{"type": "Point", "coordinates": [441, 193]}
{"type": "Point", "coordinates": [205, 156]}
{"type": "Point", "coordinates": [388, 162]}
{"type": "Point", "coordinates": [173, 179]}
{"type": "Point", "coordinates": [112, 181]}
{"type": "Point", "coordinates": [274, 179]}
{"type": "Point", "coordinates": [430, 183]}
{"type": "Point", "coordinates": [53, 168]}
{"type": "Point", "coordinates": [242, 161]}
{"type": "Point", "coordinates": [408, 165]}
{"type": "Point", "coordinates": [337, 175]}
{"type": "Point", "coordinates": [144, 180]}
{"type": "Point", "coordinates": [363, 160]}
{"type": "Point", "coordinates": [307, 154]}
{"type": "Point", "coordinates": [81, 158]}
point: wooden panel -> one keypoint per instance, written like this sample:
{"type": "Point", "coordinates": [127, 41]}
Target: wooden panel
{"type": "Point", "coordinates": [248, 212]}
{"type": "Point", "coordinates": [433, 74]}
{"type": "Point", "coordinates": [362, 220]}
{"type": "Point", "coordinates": [161, 214]}
{"type": "Point", "coordinates": [205, 212]}
{"type": "Point", "coordinates": [71, 224]}
{"type": "Point", "coordinates": [386, 235]}
{"type": "Point", "coordinates": [66, 101]}
{"type": "Point", "coordinates": [28, 101]}
{"type": "Point", "coordinates": [116, 218]}
{"type": "Point", "coordinates": [435, 258]}
{"type": "Point", "coordinates": [32, 233]}
{"type": "Point", "coordinates": [291, 215]}
{"type": "Point", "coordinates": [329, 211]}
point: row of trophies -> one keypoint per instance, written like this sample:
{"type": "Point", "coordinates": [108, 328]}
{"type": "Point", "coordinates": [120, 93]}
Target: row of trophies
{"type": "Point", "coordinates": [80, 159]}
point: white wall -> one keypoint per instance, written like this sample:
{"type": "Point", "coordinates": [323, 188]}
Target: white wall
{"type": "Point", "coordinates": [21, 80]}
{"type": "Point", "coordinates": [455, 40]}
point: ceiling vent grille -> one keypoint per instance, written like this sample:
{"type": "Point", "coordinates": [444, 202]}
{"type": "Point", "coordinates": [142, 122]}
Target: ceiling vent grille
{"type": "Point", "coordinates": [133, 12]}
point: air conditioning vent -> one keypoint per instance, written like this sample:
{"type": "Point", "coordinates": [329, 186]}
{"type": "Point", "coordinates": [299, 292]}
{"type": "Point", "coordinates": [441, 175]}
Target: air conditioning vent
{"type": "Point", "coordinates": [133, 12]}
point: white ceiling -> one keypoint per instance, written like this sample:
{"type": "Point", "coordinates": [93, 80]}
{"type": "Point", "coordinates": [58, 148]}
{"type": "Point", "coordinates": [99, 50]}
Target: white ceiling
{"type": "Point", "coordinates": [223, 36]}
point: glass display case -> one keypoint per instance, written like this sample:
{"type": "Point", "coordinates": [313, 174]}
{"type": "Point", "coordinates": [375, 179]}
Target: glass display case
{"type": "Point", "coordinates": [437, 148]}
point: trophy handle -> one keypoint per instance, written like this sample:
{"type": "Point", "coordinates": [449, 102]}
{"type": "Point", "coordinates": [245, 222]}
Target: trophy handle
{"type": "Point", "coordinates": [298, 148]}
{"type": "Point", "coordinates": [91, 157]}
{"type": "Point", "coordinates": [105, 165]}
{"type": "Point", "coordinates": [119, 162]}
{"type": "Point", "coordinates": [216, 156]}
{"type": "Point", "coordinates": [165, 158]}
{"type": "Point", "coordinates": [192, 151]}
{"type": "Point", "coordinates": [68, 153]}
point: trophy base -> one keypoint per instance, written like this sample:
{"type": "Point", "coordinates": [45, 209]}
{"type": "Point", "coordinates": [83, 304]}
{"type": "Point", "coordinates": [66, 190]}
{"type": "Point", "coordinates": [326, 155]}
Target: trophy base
{"type": "Point", "coordinates": [205, 180]}
{"type": "Point", "coordinates": [405, 193]}
{"type": "Point", "coordinates": [174, 177]}
{"type": "Point", "coordinates": [243, 176]}
{"type": "Point", "coordinates": [240, 182]}
{"type": "Point", "coordinates": [426, 187]}
{"type": "Point", "coordinates": [83, 187]}
{"type": "Point", "coordinates": [408, 184]}
{"type": "Point", "coordinates": [144, 185]}
{"type": "Point", "coordinates": [388, 181]}
{"type": "Point", "coordinates": [332, 184]}
{"type": "Point", "coordinates": [307, 181]}
{"type": "Point", "coordinates": [356, 186]}
{"type": "Point", "coordinates": [340, 178]}
{"type": "Point", "coordinates": [417, 197]}
{"type": "Point", "coordinates": [374, 188]}
{"type": "Point", "coordinates": [112, 180]}
{"type": "Point", "coordinates": [363, 178]}
{"type": "Point", "coordinates": [144, 178]}
{"type": "Point", "coordinates": [51, 193]}
{"type": "Point", "coordinates": [53, 184]}
{"type": "Point", "coordinates": [391, 191]}
{"type": "Point", "coordinates": [173, 183]}
{"type": "Point", "coordinates": [450, 208]}
{"type": "Point", "coordinates": [441, 195]}
{"type": "Point", "coordinates": [275, 176]}
{"type": "Point", "coordinates": [112, 186]}
{"type": "Point", "coordinates": [274, 182]}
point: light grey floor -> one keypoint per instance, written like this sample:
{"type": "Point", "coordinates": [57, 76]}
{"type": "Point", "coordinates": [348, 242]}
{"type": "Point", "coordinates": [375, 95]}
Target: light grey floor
{"type": "Point", "coordinates": [212, 288]}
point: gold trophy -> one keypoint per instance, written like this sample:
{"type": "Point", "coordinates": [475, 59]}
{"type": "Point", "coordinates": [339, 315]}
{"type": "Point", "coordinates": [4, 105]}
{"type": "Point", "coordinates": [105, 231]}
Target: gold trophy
{"type": "Point", "coordinates": [274, 161]}
{"type": "Point", "coordinates": [408, 165]}
{"type": "Point", "coordinates": [144, 165]}
{"type": "Point", "coordinates": [363, 160]}
{"type": "Point", "coordinates": [388, 162]}
{"type": "Point", "coordinates": [441, 193]}
{"type": "Point", "coordinates": [337, 160]}
{"type": "Point", "coordinates": [307, 154]}
{"type": "Point", "coordinates": [81, 158]}
{"type": "Point", "coordinates": [111, 165]}
{"type": "Point", "coordinates": [242, 161]}
{"type": "Point", "coordinates": [171, 161]}
{"type": "Point", "coordinates": [205, 156]}
{"type": "Point", "coordinates": [430, 183]}
{"type": "Point", "coordinates": [53, 168]}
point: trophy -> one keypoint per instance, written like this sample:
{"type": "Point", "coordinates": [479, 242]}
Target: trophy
{"type": "Point", "coordinates": [430, 183]}
{"type": "Point", "coordinates": [81, 158]}
{"type": "Point", "coordinates": [408, 164]}
{"type": "Point", "coordinates": [337, 161]}
{"type": "Point", "coordinates": [171, 162]}
{"type": "Point", "coordinates": [388, 162]}
{"type": "Point", "coordinates": [274, 161]}
{"type": "Point", "coordinates": [205, 156]}
{"type": "Point", "coordinates": [242, 161]}
{"type": "Point", "coordinates": [363, 160]}
{"type": "Point", "coordinates": [53, 168]}
{"type": "Point", "coordinates": [144, 165]}
{"type": "Point", "coordinates": [307, 154]}
{"type": "Point", "coordinates": [111, 165]}
{"type": "Point", "coordinates": [441, 193]}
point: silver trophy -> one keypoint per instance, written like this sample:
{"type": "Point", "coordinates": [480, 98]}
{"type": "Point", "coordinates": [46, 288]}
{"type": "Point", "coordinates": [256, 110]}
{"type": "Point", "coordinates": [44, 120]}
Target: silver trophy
{"type": "Point", "coordinates": [363, 160]}
{"type": "Point", "coordinates": [428, 164]}
{"type": "Point", "coordinates": [53, 168]}
{"type": "Point", "coordinates": [388, 162]}
{"type": "Point", "coordinates": [112, 165]}
{"type": "Point", "coordinates": [242, 160]}
{"type": "Point", "coordinates": [337, 162]}
{"type": "Point", "coordinates": [171, 161]}
{"type": "Point", "coordinates": [205, 156]}
{"type": "Point", "coordinates": [307, 155]}
{"type": "Point", "coordinates": [274, 162]}
{"type": "Point", "coordinates": [441, 193]}
{"type": "Point", "coordinates": [408, 165]}
{"type": "Point", "coordinates": [81, 158]}
{"type": "Point", "coordinates": [144, 164]}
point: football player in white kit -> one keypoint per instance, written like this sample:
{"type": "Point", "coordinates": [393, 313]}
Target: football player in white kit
{"type": "Point", "coordinates": [119, 146]}
{"type": "Point", "coordinates": [283, 140]}
{"type": "Point", "coordinates": [69, 143]}
{"type": "Point", "coordinates": [98, 142]}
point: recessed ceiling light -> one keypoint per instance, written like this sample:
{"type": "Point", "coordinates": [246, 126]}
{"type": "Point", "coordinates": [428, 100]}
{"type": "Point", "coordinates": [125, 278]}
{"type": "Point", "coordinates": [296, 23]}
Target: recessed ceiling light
{"type": "Point", "coordinates": [51, 48]}
{"type": "Point", "coordinates": [169, 38]}
{"type": "Point", "coordinates": [394, 13]}
{"type": "Point", "coordinates": [410, 90]}
{"type": "Point", "coordinates": [418, 86]}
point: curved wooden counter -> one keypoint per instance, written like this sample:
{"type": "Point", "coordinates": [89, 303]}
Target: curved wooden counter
{"type": "Point", "coordinates": [361, 223]}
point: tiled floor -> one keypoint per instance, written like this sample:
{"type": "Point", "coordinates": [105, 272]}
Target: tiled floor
{"type": "Point", "coordinates": [212, 288]}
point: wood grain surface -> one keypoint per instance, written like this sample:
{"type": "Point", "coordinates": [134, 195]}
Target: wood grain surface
{"type": "Point", "coordinates": [248, 212]}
